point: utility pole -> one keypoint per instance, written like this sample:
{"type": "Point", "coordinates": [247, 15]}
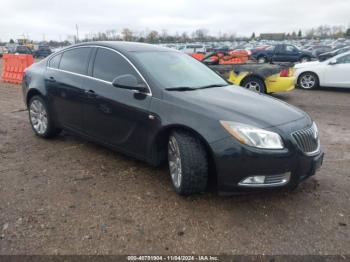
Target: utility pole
{"type": "Point", "coordinates": [77, 36]}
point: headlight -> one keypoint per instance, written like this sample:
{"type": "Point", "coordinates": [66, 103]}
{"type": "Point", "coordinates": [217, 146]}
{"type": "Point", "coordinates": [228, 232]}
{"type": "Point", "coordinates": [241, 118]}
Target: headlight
{"type": "Point", "coordinates": [315, 129]}
{"type": "Point", "coordinates": [253, 136]}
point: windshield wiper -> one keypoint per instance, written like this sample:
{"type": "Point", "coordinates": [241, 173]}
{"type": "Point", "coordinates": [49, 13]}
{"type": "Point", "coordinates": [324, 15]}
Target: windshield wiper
{"type": "Point", "coordinates": [187, 88]}
{"type": "Point", "coordinates": [210, 86]}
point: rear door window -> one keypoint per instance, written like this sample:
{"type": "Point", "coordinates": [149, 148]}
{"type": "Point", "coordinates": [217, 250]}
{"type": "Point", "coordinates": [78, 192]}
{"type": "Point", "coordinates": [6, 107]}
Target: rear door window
{"type": "Point", "coordinates": [290, 49]}
{"type": "Point", "coordinates": [109, 64]}
{"type": "Point", "coordinates": [55, 61]}
{"type": "Point", "coordinates": [75, 60]}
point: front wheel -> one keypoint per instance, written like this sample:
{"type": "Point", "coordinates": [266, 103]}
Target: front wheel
{"type": "Point", "coordinates": [40, 119]}
{"type": "Point", "coordinates": [308, 80]}
{"type": "Point", "coordinates": [188, 163]}
{"type": "Point", "coordinates": [305, 59]}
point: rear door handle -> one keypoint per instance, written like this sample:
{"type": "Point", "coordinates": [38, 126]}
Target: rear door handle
{"type": "Point", "coordinates": [51, 79]}
{"type": "Point", "coordinates": [90, 93]}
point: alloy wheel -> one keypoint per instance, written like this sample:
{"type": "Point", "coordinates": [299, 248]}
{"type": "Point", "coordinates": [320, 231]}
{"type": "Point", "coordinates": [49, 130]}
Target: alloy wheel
{"type": "Point", "coordinates": [261, 60]}
{"type": "Point", "coordinates": [307, 81]}
{"type": "Point", "coordinates": [253, 86]}
{"type": "Point", "coordinates": [174, 159]}
{"type": "Point", "coordinates": [38, 117]}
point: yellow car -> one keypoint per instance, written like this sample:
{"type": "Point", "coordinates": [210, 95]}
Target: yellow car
{"type": "Point", "coordinates": [260, 78]}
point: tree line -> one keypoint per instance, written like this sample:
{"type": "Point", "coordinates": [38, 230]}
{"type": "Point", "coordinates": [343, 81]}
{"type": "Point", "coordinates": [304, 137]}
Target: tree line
{"type": "Point", "coordinates": [154, 36]}
{"type": "Point", "coordinates": [203, 35]}
{"type": "Point", "coordinates": [199, 35]}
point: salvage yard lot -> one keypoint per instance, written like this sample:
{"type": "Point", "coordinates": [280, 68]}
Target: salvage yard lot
{"type": "Point", "coordinates": [69, 196]}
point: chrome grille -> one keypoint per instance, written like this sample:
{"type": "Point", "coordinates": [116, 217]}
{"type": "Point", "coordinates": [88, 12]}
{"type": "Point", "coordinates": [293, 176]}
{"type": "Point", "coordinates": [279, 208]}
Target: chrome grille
{"type": "Point", "coordinates": [307, 140]}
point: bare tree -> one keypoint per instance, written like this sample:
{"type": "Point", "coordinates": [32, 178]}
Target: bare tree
{"type": "Point", "coordinates": [200, 34]}
{"type": "Point", "coordinates": [347, 34]}
{"type": "Point", "coordinates": [164, 35]}
{"type": "Point", "coordinates": [152, 36]}
{"type": "Point", "coordinates": [325, 31]}
{"type": "Point", "coordinates": [184, 37]}
{"type": "Point", "coordinates": [127, 34]}
{"type": "Point", "coordinates": [310, 33]}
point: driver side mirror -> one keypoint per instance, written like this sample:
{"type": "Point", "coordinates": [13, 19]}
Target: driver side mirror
{"type": "Point", "coordinates": [130, 82]}
{"type": "Point", "coordinates": [333, 62]}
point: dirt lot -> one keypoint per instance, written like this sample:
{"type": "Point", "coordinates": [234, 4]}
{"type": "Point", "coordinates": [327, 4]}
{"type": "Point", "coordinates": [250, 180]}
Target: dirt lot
{"type": "Point", "coordinates": [68, 196]}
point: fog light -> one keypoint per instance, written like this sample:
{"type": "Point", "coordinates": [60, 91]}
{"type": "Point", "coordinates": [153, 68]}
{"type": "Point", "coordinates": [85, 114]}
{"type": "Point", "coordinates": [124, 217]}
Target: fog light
{"type": "Point", "coordinates": [266, 181]}
{"type": "Point", "coordinates": [253, 180]}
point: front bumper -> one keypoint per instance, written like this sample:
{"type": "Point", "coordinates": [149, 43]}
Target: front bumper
{"type": "Point", "coordinates": [235, 162]}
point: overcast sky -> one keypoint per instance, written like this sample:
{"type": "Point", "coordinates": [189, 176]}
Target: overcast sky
{"type": "Point", "coordinates": [54, 19]}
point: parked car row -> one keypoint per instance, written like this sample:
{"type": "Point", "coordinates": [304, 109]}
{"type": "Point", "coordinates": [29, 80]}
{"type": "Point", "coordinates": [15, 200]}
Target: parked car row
{"type": "Point", "coordinates": [292, 53]}
{"type": "Point", "coordinates": [311, 49]}
{"type": "Point", "coordinates": [333, 53]}
{"type": "Point", "coordinates": [40, 52]}
{"type": "Point", "coordinates": [331, 69]}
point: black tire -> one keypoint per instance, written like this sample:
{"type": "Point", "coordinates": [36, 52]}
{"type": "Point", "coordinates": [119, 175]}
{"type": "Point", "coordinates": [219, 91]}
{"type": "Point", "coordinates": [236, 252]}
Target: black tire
{"type": "Point", "coordinates": [262, 59]}
{"type": "Point", "coordinates": [252, 81]}
{"type": "Point", "coordinates": [304, 84]}
{"type": "Point", "coordinates": [194, 163]}
{"type": "Point", "coordinates": [304, 59]}
{"type": "Point", "coordinates": [51, 130]}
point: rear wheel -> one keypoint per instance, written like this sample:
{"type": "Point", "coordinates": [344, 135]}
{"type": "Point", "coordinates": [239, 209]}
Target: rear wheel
{"type": "Point", "coordinates": [262, 59]}
{"type": "Point", "coordinates": [308, 80]}
{"type": "Point", "coordinates": [40, 119]}
{"type": "Point", "coordinates": [254, 84]}
{"type": "Point", "coordinates": [188, 163]}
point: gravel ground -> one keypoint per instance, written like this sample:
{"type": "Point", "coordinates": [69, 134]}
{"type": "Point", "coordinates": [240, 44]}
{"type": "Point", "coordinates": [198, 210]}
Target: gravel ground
{"type": "Point", "coordinates": [69, 196]}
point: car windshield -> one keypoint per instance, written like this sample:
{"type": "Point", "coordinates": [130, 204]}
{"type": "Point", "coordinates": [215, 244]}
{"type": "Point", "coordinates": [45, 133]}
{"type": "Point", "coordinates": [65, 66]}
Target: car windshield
{"type": "Point", "coordinates": [296, 47]}
{"type": "Point", "coordinates": [174, 70]}
{"type": "Point", "coordinates": [21, 48]}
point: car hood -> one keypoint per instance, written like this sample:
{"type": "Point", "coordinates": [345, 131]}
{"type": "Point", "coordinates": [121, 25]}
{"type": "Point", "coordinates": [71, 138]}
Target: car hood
{"type": "Point", "coordinates": [234, 103]}
{"type": "Point", "coordinates": [307, 64]}
{"type": "Point", "coordinates": [307, 53]}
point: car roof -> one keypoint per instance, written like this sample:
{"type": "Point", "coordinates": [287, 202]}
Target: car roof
{"type": "Point", "coordinates": [342, 54]}
{"type": "Point", "coordinates": [123, 47]}
{"type": "Point", "coordinates": [339, 55]}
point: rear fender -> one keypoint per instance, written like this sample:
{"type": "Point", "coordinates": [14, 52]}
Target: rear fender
{"type": "Point", "coordinates": [276, 83]}
{"type": "Point", "coordinates": [236, 79]}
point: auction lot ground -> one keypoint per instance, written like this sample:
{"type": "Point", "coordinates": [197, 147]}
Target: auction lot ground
{"type": "Point", "coordinates": [69, 196]}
